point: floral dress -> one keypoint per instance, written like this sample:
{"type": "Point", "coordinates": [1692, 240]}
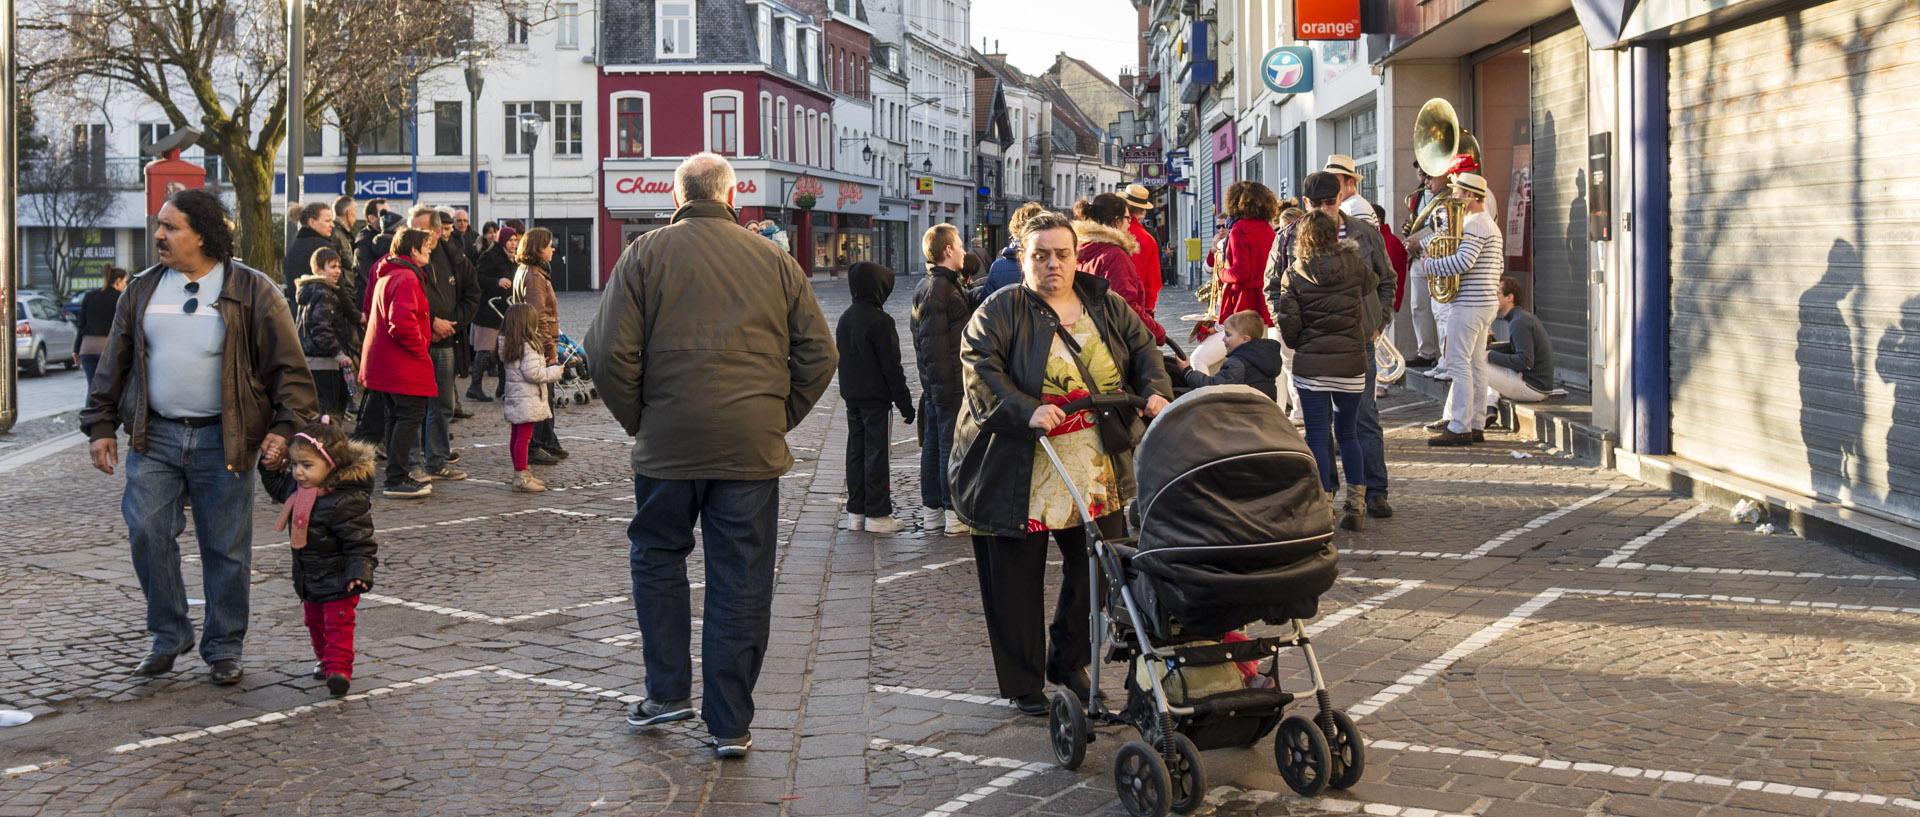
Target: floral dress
{"type": "Point", "coordinates": [1077, 441]}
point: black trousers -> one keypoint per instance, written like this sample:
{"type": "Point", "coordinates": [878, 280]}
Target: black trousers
{"type": "Point", "coordinates": [1013, 574]}
{"type": "Point", "coordinates": [867, 493]}
{"type": "Point", "coordinates": [370, 425]}
{"type": "Point", "coordinates": [544, 436]}
{"type": "Point", "coordinates": [405, 414]}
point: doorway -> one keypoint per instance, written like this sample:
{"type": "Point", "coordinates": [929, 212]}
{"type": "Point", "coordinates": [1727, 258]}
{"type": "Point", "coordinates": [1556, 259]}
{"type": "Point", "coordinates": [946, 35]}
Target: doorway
{"type": "Point", "coordinates": [572, 253]}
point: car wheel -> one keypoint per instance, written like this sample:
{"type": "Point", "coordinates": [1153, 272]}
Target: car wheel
{"type": "Point", "coordinates": [37, 365]}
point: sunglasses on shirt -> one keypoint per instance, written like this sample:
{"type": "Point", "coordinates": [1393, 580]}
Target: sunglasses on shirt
{"type": "Point", "coordinates": [193, 303]}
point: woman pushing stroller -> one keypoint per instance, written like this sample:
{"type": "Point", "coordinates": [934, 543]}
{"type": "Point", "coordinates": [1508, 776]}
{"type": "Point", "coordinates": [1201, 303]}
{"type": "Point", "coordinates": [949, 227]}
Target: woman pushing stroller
{"type": "Point", "coordinates": [1027, 351]}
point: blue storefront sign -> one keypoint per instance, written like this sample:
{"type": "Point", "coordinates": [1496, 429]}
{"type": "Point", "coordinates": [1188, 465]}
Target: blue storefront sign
{"type": "Point", "coordinates": [381, 184]}
{"type": "Point", "coordinates": [1288, 69]}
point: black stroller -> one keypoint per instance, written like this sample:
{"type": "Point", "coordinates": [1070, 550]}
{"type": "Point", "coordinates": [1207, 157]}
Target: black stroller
{"type": "Point", "coordinates": [1233, 528]}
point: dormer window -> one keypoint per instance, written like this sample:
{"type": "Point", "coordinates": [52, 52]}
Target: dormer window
{"type": "Point", "coordinates": [675, 31]}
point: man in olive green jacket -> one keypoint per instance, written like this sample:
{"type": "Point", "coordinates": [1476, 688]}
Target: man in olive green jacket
{"type": "Point", "coordinates": [708, 348]}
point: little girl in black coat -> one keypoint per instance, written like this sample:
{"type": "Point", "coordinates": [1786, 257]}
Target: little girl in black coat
{"type": "Point", "coordinates": [329, 479]}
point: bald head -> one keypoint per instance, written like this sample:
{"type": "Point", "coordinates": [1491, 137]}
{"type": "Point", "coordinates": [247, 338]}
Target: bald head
{"type": "Point", "coordinates": [704, 176]}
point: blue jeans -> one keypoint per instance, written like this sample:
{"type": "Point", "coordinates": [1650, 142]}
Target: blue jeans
{"type": "Point", "coordinates": [737, 520]}
{"type": "Point", "coordinates": [89, 363]}
{"type": "Point", "coordinates": [183, 463]}
{"type": "Point", "coordinates": [1345, 407]}
{"type": "Point", "coordinates": [936, 450]}
{"type": "Point", "coordinates": [436, 430]}
{"type": "Point", "coordinates": [1373, 440]}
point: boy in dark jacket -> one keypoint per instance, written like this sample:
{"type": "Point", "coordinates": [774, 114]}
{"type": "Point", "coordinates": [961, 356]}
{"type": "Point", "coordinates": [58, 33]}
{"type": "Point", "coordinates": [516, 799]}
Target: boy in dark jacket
{"type": "Point", "coordinates": [870, 378]}
{"type": "Point", "coordinates": [1252, 359]}
{"type": "Point", "coordinates": [940, 312]}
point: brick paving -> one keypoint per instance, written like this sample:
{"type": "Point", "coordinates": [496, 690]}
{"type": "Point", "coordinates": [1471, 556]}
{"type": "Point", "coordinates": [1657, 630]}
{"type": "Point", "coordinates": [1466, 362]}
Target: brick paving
{"type": "Point", "coordinates": [1526, 637]}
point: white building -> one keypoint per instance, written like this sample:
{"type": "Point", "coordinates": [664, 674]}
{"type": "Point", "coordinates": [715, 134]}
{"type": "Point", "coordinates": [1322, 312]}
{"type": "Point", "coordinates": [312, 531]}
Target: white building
{"type": "Point", "coordinates": [939, 113]}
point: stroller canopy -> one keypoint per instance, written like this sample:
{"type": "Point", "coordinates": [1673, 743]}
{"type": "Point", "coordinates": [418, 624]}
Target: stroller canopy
{"type": "Point", "coordinates": [1234, 527]}
{"type": "Point", "coordinates": [1224, 466]}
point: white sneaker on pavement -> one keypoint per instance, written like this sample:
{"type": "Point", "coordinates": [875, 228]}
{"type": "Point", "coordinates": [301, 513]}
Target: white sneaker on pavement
{"type": "Point", "coordinates": [932, 519]}
{"type": "Point", "coordinates": [853, 521]}
{"type": "Point", "coordinates": [955, 527]}
{"type": "Point", "coordinates": [884, 524]}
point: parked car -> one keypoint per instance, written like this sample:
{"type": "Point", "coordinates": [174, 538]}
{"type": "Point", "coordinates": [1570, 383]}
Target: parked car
{"type": "Point", "coordinates": [72, 307]}
{"type": "Point", "coordinates": [42, 333]}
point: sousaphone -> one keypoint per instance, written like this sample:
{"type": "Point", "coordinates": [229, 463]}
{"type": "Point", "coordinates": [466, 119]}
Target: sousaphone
{"type": "Point", "coordinates": [1438, 139]}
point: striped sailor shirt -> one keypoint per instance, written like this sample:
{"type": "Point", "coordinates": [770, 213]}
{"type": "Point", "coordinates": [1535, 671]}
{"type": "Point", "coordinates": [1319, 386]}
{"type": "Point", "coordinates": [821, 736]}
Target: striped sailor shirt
{"type": "Point", "coordinates": [1479, 262]}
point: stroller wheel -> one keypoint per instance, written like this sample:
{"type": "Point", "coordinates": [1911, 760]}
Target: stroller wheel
{"type": "Point", "coordinates": [1301, 753]}
{"type": "Point", "coordinates": [1066, 729]}
{"type": "Point", "coordinates": [1189, 778]}
{"type": "Point", "coordinates": [1349, 752]}
{"type": "Point", "coordinates": [1141, 778]}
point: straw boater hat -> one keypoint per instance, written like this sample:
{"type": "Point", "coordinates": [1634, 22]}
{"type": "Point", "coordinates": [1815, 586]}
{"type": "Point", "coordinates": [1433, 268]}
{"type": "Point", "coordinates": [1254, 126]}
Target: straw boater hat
{"type": "Point", "coordinates": [1139, 196]}
{"type": "Point", "coordinates": [1342, 165]}
{"type": "Point", "coordinates": [1471, 183]}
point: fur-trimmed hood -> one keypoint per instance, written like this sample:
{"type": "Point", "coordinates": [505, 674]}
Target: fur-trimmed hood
{"type": "Point", "coordinates": [359, 473]}
{"type": "Point", "coordinates": [1093, 232]}
{"type": "Point", "coordinates": [314, 279]}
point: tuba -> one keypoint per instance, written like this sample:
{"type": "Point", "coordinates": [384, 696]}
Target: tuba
{"type": "Point", "coordinates": [1437, 139]}
{"type": "Point", "coordinates": [1388, 361]}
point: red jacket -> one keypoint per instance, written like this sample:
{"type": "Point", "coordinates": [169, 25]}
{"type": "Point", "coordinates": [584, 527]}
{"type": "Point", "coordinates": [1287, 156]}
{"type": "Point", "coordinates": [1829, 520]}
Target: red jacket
{"type": "Point", "coordinates": [1397, 256]}
{"type": "Point", "coordinates": [1107, 252]}
{"type": "Point", "coordinates": [399, 328]}
{"type": "Point", "coordinates": [1243, 276]}
{"type": "Point", "coordinates": [1147, 261]}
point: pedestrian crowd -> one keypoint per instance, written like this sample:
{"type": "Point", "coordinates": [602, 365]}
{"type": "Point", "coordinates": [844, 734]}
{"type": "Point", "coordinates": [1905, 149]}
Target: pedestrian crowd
{"type": "Point", "coordinates": [708, 347]}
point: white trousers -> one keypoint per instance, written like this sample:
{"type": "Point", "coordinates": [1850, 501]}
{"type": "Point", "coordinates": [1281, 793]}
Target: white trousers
{"type": "Point", "coordinates": [1505, 382]}
{"type": "Point", "coordinates": [1440, 314]}
{"type": "Point", "coordinates": [1284, 383]}
{"type": "Point", "coordinates": [1467, 328]}
{"type": "Point", "coordinates": [1426, 331]}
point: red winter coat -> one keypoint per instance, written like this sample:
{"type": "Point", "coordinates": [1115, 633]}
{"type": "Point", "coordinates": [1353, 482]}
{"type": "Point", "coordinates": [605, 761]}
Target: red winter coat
{"type": "Point", "coordinates": [1243, 275]}
{"type": "Point", "coordinates": [1107, 252]}
{"type": "Point", "coordinates": [399, 328]}
{"type": "Point", "coordinates": [1147, 261]}
{"type": "Point", "coordinates": [1397, 256]}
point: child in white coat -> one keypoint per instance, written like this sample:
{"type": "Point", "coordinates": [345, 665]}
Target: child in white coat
{"type": "Point", "coordinates": [527, 376]}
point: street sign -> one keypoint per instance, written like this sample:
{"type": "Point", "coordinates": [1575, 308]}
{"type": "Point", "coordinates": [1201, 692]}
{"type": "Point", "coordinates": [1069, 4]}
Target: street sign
{"type": "Point", "coordinates": [1288, 69]}
{"type": "Point", "coordinates": [1326, 19]}
{"type": "Point", "coordinates": [1139, 154]}
{"type": "Point", "coordinates": [1153, 175]}
{"type": "Point", "coordinates": [924, 184]}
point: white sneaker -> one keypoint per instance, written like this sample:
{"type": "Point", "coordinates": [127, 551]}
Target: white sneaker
{"type": "Point", "coordinates": [884, 524]}
{"type": "Point", "coordinates": [932, 519]}
{"type": "Point", "coordinates": [955, 527]}
{"type": "Point", "coordinates": [853, 521]}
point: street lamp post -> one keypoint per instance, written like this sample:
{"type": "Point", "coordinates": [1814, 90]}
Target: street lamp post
{"type": "Point", "coordinates": [296, 102]}
{"type": "Point", "coordinates": [530, 123]}
{"type": "Point", "coordinates": [474, 83]}
{"type": "Point", "coordinates": [9, 238]}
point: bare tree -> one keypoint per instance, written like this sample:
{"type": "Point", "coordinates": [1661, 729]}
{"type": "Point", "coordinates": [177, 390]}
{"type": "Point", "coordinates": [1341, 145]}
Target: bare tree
{"type": "Point", "coordinates": [221, 66]}
{"type": "Point", "coordinates": [65, 189]}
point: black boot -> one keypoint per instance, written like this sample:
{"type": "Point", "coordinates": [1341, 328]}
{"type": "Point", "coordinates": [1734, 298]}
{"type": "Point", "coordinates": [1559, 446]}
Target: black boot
{"type": "Point", "coordinates": [476, 390]}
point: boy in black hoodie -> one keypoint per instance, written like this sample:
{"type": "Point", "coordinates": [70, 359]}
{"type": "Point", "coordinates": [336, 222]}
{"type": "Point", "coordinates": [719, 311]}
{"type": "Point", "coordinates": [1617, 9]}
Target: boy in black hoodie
{"type": "Point", "coordinates": [871, 377]}
{"type": "Point", "coordinates": [1252, 359]}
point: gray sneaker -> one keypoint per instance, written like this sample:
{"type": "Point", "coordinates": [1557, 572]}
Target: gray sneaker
{"type": "Point", "coordinates": [649, 712]}
{"type": "Point", "coordinates": [733, 747]}
{"type": "Point", "coordinates": [448, 473]}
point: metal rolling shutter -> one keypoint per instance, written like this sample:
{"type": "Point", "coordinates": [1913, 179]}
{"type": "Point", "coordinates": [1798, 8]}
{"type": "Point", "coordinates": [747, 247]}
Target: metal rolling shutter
{"type": "Point", "coordinates": [1559, 220]}
{"type": "Point", "coordinates": [1795, 330]}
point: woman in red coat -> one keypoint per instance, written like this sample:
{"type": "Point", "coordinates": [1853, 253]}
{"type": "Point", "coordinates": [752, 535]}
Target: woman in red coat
{"type": "Point", "coordinates": [1106, 250]}
{"type": "Point", "coordinates": [394, 365]}
{"type": "Point", "coordinates": [1252, 208]}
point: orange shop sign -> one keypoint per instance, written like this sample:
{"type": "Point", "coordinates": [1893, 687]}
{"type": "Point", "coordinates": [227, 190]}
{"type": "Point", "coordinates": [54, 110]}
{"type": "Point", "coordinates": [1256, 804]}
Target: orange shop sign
{"type": "Point", "coordinates": [1326, 19]}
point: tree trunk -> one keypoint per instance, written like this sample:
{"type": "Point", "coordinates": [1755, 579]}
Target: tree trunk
{"type": "Point", "coordinates": [258, 244]}
{"type": "Point", "coordinates": [353, 164]}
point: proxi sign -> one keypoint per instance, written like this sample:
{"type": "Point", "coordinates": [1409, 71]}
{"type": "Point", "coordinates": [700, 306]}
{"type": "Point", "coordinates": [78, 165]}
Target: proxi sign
{"type": "Point", "coordinates": [1326, 19]}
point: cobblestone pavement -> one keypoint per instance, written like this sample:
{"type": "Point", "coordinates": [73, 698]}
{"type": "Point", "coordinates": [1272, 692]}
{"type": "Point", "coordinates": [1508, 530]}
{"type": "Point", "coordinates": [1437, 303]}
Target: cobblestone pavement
{"type": "Point", "coordinates": [1525, 637]}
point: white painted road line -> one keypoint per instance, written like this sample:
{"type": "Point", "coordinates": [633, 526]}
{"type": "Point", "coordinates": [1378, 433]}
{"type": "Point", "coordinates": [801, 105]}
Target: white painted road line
{"type": "Point", "coordinates": [1474, 642]}
{"type": "Point", "coordinates": [1341, 616]}
{"type": "Point", "coordinates": [1492, 544]}
{"type": "Point", "coordinates": [1668, 775]}
{"type": "Point", "coordinates": [1620, 554]}
{"type": "Point", "coordinates": [1017, 770]}
{"type": "Point", "coordinates": [921, 569]}
{"type": "Point", "coordinates": [1811, 605]}
{"type": "Point", "coordinates": [1777, 574]}
{"type": "Point", "coordinates": [473, 616]}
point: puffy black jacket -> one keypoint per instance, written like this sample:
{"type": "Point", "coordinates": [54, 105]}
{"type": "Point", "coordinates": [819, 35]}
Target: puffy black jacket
{"type": "Point", "coordinates": [1003, 357]}
{"type": "Point", "coordinates": [1322, 313]}
{"type": "Point", "coordinates": [1255, 363]}
{"type": "Point", "coordinates": [940, 312]}
{"type": "Point", "coordinates": [369, 247]}
{"type": "Point", "coordinates": [340, 544]}
{"type": "Point", "coordinates": [493, 267]}
{"type": "Point", "coordinates": [326, 327]}
{"type": "Point", "coordinates": [299, 260]}
{"type": "Point", "coordinates": [870, 371]}
{"type": "Point", "coordinates": [452, 294]}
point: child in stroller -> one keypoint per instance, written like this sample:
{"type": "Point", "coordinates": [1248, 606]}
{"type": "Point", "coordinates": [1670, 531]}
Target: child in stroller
{"type": "Point", "coordinates": [1232, 529]}
{"type": "Point", "coordinates": [576, 385]}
